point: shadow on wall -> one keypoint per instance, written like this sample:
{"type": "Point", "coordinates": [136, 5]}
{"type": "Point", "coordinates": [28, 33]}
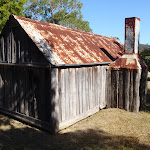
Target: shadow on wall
{"type": "Point", "coordinates": [29, 91]}
{"type": "Point", "coordinates": [30, 138]}
{"type": "Point", "coordinates": [147, 106]}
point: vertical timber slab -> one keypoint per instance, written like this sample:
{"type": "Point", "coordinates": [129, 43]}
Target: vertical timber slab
{"type": "Point", "coordinates": [54, 100]}
{"type": "Point", "coordinates": [143, 87]}
{"type": "Point", "coordinates": [108, 88]}
{"type": "Point", "coordinates": [80, 90]}
{"type": "Point", "coordinates": [16, 72]}
{"type": "Point", "coordinates": [60, 94]}
{"type": "Point", "coordinates": [11, 83]}
{"type": "Point", "coordinates": [95, 87]}
{"type": "Point", "coordinates": [126, 89]}
{"type": "Point", "coordinates": [68, 93]}
{"type": "Point", "coordinates": [92, 92]}
{"type": "Point", "coordinates": [22, 81]}
{"type": "Point", "coordinates": [2, 95]}
{"type": "Point", "coordinates": [83, 90]}
{"type": "Point", "coordinates": [113, 88]}
{"type": "Point", "coordinates": [136, 91]}
{"type": "Point", "coordinates": [7, 83]}
{"type": "Point", "coordinates": [77, 90]}
{"type": "Point", "coordinates": [63, 100]}
{"type": "Point", "coordinates": [89, 87]}
{"type": "Point", "coordinates": [99, 86]}
{"type": "Point", "coordinates": [73, 88]}
{"type": "Point", "coordinates": [117, 89]}
{"type": "Point", "coordinates": [86, 88]}
{"type": "Point", "coordinates": [103, 87]}
{"type": "Point", "coordinates": [120, 90]}
{"type": "Point", "coordinates": [27, 92]}
{"type": "Point", "coordinates": [131, 103]}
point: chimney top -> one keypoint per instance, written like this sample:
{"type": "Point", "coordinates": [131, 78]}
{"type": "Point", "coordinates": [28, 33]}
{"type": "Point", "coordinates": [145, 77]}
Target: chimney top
{"type": "Point", "coordinates": [132, 31]}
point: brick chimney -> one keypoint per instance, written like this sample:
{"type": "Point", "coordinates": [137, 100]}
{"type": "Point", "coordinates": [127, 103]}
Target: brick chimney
{"type": "Point", "coordinates": [132, 31]}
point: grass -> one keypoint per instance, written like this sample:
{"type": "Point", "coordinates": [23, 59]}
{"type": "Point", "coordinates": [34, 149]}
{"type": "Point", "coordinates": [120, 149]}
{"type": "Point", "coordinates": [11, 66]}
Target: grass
{"type": "Point", "coordinates": [109, 129]}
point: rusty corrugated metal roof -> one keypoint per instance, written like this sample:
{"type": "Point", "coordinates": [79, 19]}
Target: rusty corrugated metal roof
{"type": "Point", "coordinates": [63, 45]}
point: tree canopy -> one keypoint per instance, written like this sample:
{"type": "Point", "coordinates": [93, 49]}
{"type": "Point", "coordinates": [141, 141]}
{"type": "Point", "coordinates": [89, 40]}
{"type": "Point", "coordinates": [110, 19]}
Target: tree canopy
{"type": "Point", "coordinates": [8, 7]}
{"type": "Point", "coordinates": [62, 12]}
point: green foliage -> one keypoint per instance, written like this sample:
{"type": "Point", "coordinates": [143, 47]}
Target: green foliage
{"type": "Point", "coordinates": [145, 55]}
{"type": "Point", "coordinates": [62, 12]}
{"type": "Point", "coordinates": [116, 38]}
{"type": "Point", "coordinates": [8, 7]}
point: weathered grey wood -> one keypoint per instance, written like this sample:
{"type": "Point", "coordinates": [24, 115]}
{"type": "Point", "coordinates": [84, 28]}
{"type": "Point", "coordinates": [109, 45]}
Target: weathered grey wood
{"type": "Point", "coordinates": [80, 90]}
{"type": "Point", "coordinates": [10, 87]}
{"type": "Point", "coordinates": [114, 89]}
{"type": "Point", "coordinates": [83, 91]}
{"type": "Point", "coordinates": [2, 82]}
{"type": "Point", "coordinates": [62, 96]}
{"type": "Point", "coordinates": [108, 88]}
{"type": "Point", "coordinates": [27, 93]}
{"type": "Point", "coordinates": [143, 87]}
{"type": "Point", "coordinates": [89, 88]}
{"type": "Point", "coordinates": [77, 91]}
{"type": "Point", "coordinates": [126, 89]}
{"type": "Point", "coordinates": [79, 80]}
{"type": "Point", "coordinates": [30, 120]}
{"type": "Point", "coordinates": [74, 99]}
{"type": "Point", "coordinates": [68, 94]}
{"type": "Point", "coordinates": [136, 91]}
{"type": "Point", "coordinates": [103, 87]}
{"type": "Point", "coordinates": [73, 120]}
{"type": "Point", "coordinates": [131, 105]}
{"type": "Point", "coordinates": [2, 54]}
{"type": "Point", "coordinates": [54, 100]}
{"type": "Point", "coordinates": [95, 97]}
{"type": "Point", "coordinates": [19, 47]}
{"type": "Point", "coordinates": [7, 83]}
{"type": "Point", "coordinates": [121, 90]}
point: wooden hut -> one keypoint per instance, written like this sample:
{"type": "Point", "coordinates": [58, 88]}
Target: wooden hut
{"type": "Point", "coordinates": [52, 76]}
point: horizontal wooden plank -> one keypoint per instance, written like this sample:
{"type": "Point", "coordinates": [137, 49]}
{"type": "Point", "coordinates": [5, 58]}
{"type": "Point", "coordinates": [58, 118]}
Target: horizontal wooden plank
{"type": "Point", "coordinates": [71, 121]}
{"type": "Point", "coordinates": [29, 120]}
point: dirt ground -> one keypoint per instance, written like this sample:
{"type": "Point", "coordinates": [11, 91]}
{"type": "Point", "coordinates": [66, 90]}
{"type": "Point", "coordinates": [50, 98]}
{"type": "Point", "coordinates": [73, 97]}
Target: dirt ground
{"type": "Point", "coordinates": [109, 129]}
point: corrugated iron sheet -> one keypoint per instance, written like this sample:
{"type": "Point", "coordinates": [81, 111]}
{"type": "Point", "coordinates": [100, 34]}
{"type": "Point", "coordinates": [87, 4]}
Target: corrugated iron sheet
{"type": "Point", "coordinates": [129, 62]}
{"type": "Point", "coordinates": [63, 45]}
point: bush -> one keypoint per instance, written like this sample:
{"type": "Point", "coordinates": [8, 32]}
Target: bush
{"type": "Point", "coordinates": [145, 55]}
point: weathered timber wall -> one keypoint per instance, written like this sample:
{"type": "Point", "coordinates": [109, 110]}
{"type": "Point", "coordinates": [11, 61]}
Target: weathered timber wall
{"type": "Point", "coordinates": [143, 87]}
{"type": "Point", "coordinates": [16, 46]}
{"type": "Point", "coordinates": [79, 92]}
{"type": "Point", "coordinates": [126, 89]}
{"type": "Point", "coordinates": [24, 93]}
{"type": "Point", "coordinates": [54, 98]}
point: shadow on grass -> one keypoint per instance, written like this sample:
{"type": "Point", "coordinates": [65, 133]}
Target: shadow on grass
{"type": "Point", "coordinates": [32, 139]}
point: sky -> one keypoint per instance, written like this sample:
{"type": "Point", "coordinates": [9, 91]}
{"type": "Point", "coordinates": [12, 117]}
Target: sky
{"type": "Point", "coordinates": [107, 17]}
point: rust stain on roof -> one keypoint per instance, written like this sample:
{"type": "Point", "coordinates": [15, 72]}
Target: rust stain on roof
{"type": "Point", "coordinates": [129, 62]}
{"type": "Point", "coordinates": [63, 45]}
